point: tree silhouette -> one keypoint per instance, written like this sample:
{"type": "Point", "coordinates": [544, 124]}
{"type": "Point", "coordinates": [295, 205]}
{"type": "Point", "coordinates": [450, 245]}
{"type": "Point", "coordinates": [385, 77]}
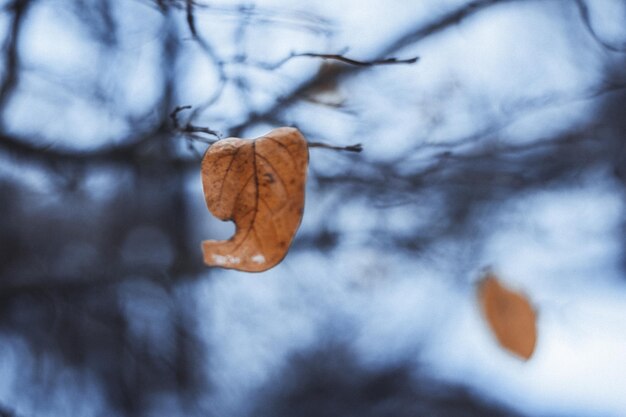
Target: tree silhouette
{"type": "Point", "coordinates": [105, 110]}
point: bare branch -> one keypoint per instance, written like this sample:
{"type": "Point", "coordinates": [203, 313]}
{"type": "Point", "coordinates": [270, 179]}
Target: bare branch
{"type": "Point", "coordinates": [351, 148]}
{"type": "Point", "coordinates": [188, 129]}
{"type": "Point", "coordinates": [126, 153]}
{"type": "Point", "coordinates": [191, 22]}
{"type": "Point", "coordinates": [386, 61]}
{"type": "Point", "coordinates": [174, 115]}
{"type": "Point", "coordinates": [342, 58]}
{"type": "Point", "coordinates": [452, 18]}
{"type": "Point", "coordinates": [584, 15]}
{"type": "Point", "coordinates": [10, 48]}
{"type": "Point", "coordinates": [408, 38]}
{"type": "Point", "coordinates": [277, 16]}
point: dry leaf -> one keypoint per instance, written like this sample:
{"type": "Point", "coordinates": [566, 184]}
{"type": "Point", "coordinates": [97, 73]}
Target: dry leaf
{"type": "Point", "coordinates": [510, 316]}
{"type": "Point", "coordinates": [259, 184]}
{"type": "Point", "coordinates": [327, 91]}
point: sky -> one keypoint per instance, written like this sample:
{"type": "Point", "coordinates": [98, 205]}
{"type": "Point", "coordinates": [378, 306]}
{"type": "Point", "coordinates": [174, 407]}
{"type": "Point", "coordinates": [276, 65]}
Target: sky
{"type": "Point", "coordinates": [523, 71]}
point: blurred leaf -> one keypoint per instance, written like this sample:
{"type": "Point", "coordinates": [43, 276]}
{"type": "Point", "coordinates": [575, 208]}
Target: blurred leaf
{"type": "Point", "coordinates": [259, 184]}
{"type": "Point", "coordinates": [510, 316]}
{"type": "Point", "coordinates": [327, 90]}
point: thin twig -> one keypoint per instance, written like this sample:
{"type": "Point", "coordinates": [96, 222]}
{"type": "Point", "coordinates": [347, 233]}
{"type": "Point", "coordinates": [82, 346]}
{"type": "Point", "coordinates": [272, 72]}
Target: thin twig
{"type": "Point", "coordinates": [174, 115]}
{"type": "Point", "coordinates": [340, 58]}
{"type": "Point", "coordinates": [191, 21]}
{"type": "Point", "coordinates": [441, 23]}
{"type": "Point", "coordinates": [191, 131]}
{"type": "Point", "coordinates": [189, 128]}
{"type": "Point", "coordinates": [350, 148]}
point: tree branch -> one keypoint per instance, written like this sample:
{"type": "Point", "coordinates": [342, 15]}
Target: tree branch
{"type": "Point", "coordinates": [19, 9]}
{"type": "Point", "coordinates": [412, 36]}
{"type": "Point", "coordinates": [191, 21]}
{"type": "Point", "coordinates": [386, 61]}
{"type": "Point", "coordinates": [583, 10]}
{"type": "Point", "coordinates": [131, 152]}
{"type": "Point", "coordinates": [189, 130]}
{"type": "Point", "coordinates": [341, 58]}
{"type": "Point", "coordinates": [351, 148]}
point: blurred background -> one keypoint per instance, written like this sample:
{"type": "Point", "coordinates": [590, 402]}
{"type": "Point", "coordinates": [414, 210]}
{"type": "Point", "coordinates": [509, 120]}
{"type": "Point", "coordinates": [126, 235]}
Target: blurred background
{"type": "Point", "coordinates": [503, 146]}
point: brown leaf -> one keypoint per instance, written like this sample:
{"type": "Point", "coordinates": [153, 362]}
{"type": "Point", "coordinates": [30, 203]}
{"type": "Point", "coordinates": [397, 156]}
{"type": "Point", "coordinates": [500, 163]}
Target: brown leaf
{"type": "Point", "coordinates": [327, 90]}
{"type": "Point", "coordinates": [510, 315]}
{"type": "Point", "coordinates": [259, 184]}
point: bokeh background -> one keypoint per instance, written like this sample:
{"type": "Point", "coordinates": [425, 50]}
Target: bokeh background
{"type": "Point", "coordinates": [503, 146]}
